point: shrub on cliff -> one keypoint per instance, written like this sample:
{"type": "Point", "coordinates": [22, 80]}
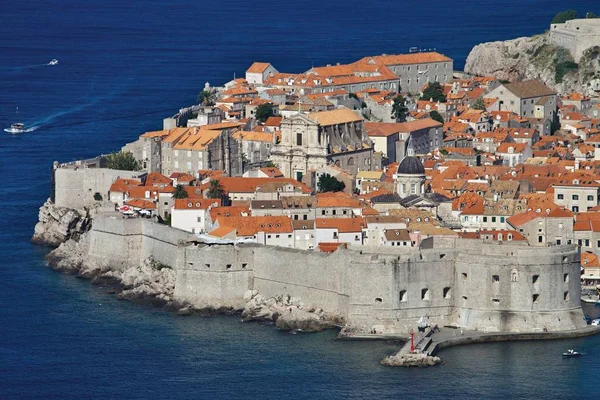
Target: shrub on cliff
{"type": "Point", "coordinates": [123, 161]}
{"type": "Point", "coordinates": [328, 183]}
{"type": "Point", "coordinates": [564, 16]}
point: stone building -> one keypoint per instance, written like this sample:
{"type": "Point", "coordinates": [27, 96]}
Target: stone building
{"type": "Point", "coordinates": [531, 99]}
{"type": "Point", "coordinates": [416, 69]}
{"type": "Point", "coordinates": [309, 142]}
{"type": "Point", "coordinates": [576, 194]}
{"type": "Point", "coordinates": [577, 35]}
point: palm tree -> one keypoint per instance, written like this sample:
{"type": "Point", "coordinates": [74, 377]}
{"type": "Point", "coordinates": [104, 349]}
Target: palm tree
{"type": "Point", "coordinates": [215, 190]}
{"type": "Point", "coordinates": [180, 192]}
{"type": "Point", "coordinates": [207, 97]}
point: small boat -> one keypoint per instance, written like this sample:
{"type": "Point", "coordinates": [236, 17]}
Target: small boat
{"type": "Point", "coordinates": [54, 61]}
{"type": "Point", "coordinates": [572, 353]}
{"type": "Point", "coordinates": [15, 128]}
{"type": "Point", "coordinates": [413, 50]}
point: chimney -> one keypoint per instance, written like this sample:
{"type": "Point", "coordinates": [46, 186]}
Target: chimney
{"type": "Point", "coordinates": [195, 130]}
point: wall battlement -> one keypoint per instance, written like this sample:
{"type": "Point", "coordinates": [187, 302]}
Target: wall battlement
{"type": "Point", "coordinates": [504, 288]}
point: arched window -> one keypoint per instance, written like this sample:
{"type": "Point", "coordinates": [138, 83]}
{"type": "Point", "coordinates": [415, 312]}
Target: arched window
{"type": "Point", "coordinates": [514, 275]}
{"type": "Point", "coordinates": [350, 161]}
{"type": "Point", "coordinates": [337, 163]}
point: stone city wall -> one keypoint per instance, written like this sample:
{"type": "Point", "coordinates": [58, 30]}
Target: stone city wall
{"type": "Point", "coordinates": [474, 285]}
{"type": "Point", "coordinates": [75, 187]}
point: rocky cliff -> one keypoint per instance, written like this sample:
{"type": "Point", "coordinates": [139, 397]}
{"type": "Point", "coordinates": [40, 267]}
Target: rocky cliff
{"type": "Point", "coordinates": [535, 58]}
{"type": "Point", "coordinates": [59, 224]}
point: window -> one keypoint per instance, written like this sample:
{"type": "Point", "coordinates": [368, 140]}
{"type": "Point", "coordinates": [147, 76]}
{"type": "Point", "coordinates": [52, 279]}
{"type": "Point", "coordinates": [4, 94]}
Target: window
{"type": "Point", "coordinates": [575, 197]}
{"type": "Point", "coordinates": [493, 219]}
{"type": "Point", "coordinates": [403, 296]}
{"type": "Point", "coordinates": [305, 217]}
{"type": "Point", "coordinates": [378, 300]}
{"type": "Point", "coordinates": [535, 298]}
{"type": "Point", "coordinates": [495, 278]}
{"type": "Point", "coordinates": [322, 212]}
{"type": "Point", "coordinates": [558, 242]}
{"type": "Point", "coordinates": [333, 212]}
{"type": "Point", "coordinates": [268, 236]}
{"type": "Point", "coordinates": [299, 139]}
{"type": "Point", "coordinates": [514, 275]}
{"type": "Point", "coordinates": [228, 266]}
{"type": "Point", "coordinates": [560, 196]}
{"type": "Point", "coordinates": [447, 293]}
{"type": "Point", "coordinates": [566, 296]}
{"type": "Point", "coordinates": [464, 275]}
{"type": "Point", "coordinates": [496, 301]}
{"type": "Point", "coordinates": [566, 278]}
{"type": "Point", "coordinates": [535, 279]}
{"type": "Point", "coordinates": [335, 235]}
{"type": "Point", "coordinates": [207, 265]}
{"type": "Point", "coordinates": [484, 219]}
{"type": "Point", "coordinates": [540, 239]}
{"type": "Point", "coordinates": [575, 209]}
{"type": "Point", "coordinates": [590, 198]}
{"type": "Point", "coordinates": [244, 265]}
{"type": "Point", "coordinates": [413, 188]}
{"type": "Point", "coordinates": [587, 242]}
{"type": "Point", "coordinates": [501, 219]}
{"type": "Point", "coordinates": [425, 294]}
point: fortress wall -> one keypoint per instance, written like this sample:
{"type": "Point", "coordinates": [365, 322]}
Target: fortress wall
{"type": "Point", "coordinates": [124, 242]}
{"type": "Point", "coordinates": [410, 288]}
{"type": "Point", "coordinates": [75, 188]}
{"type": "Point", "coordinates": [215, 276]}
{"type": "Point", "coordinates": [317, 278]}
{"type": "Point", "coordinates": [497, 293]}
{"type": "Point", "coordinates": [388, 292]}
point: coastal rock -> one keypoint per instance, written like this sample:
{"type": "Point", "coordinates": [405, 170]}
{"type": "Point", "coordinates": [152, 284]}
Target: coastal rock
{"type": "Point", "coordinates": [288, 313]}
{"type": "Point", "coordinates": [58, 224]}
{"type": "Point", "coordinates": [534, 58]}
{"type": "Point", "coordinates": [411, 360]}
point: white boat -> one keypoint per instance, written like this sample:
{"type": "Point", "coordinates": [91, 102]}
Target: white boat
{"type": "Point", "coordinates": [15, 128]}
{"type": "Point", "coordinates": [572, 353]}
{"type": "Point", "coordinates": [54, 61]}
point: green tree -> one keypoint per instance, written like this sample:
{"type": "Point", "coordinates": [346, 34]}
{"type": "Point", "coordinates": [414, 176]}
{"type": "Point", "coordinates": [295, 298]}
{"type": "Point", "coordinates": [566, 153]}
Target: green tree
{"type": "Point", "coordinates": [399, 109]}
{"type": "Point", "coordinates": [434, 92]}
{"type": "Point", "coordinates": [123, 161]}
{"type": "Point", "coordinates": [478, 104]}
{"type": "Point", "coordinates": [264, 111]}
{"type": "Point", "coordinates": [590, 15]}
{"type": "Point", "coordinates": [436, 116]}
{"type": "Point", "coordinates": [564, 16]}
{"type": "Point", "coordinates": [180, 192]}
{"type": "Point", "coordinates": [328, 183]}
{"type": "Point", "coordinates": [215, 190]}
{"type": "Point", "coordinates": [207, 97]}
{"type": "Point", "coordinates": [270, 164]}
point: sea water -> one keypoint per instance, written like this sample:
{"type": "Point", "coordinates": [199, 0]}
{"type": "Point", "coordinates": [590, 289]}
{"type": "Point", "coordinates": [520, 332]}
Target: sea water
{"type": "Point", "coordinates": [123, 66]}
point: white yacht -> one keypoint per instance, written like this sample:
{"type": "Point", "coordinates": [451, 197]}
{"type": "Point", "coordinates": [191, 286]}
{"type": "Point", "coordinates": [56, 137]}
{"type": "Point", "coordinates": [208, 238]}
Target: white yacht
{"type": "Point", "coordinates": [15, 128]}
{"type": "Point", "coordinates": [54, 61]}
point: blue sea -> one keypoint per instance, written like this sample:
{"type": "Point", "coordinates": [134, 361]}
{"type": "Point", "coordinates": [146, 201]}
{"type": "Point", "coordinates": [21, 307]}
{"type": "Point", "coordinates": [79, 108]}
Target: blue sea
{"type": "Point", "coordinates": [123, 66]}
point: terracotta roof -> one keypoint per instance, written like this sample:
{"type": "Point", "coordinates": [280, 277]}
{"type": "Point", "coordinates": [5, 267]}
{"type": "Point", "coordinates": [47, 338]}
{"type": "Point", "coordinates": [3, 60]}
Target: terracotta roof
{"type": "Point", "coordinates": [397, 234]}
{"type": "Point", "coordinates": [253, 136]}
{"type": "Point", "coordinates": [273, 121]}
{"type": "Point", "coordinates": [250, 226]}
{"type": "Point", "coordinates": [400, 59]}
{"type": "Point", "coordinates": [505, 148]}
{"type": "Point", "coordinates": [342, 225]}
{"type": "Point", "coordinates": [337, 199]}
{"type": "Point", "coordinates": [527, 89]}
{"type": "Point", "coordinates": [221, 231]}
{"type": "Point", "coordinates": [522, 218]}
{"type": "Point", "coordinates": [196, 203]}
{"type": "Point", "coordinates": [141, 203]}
{"type": "Point", "coordinates": [327, 247]}
{"type": "Point", "coordinates": [333, 117]}
{"type": "Point", "coordinates": [258, 67]}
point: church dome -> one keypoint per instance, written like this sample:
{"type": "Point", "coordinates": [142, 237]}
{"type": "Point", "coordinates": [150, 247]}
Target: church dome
{"type": "Point", "coordinates": [411, 166]}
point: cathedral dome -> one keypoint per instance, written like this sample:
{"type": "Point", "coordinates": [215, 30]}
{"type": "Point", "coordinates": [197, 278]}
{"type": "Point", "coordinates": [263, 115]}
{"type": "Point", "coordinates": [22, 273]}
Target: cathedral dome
{"type": "Point", "coordinates": [411, 166]}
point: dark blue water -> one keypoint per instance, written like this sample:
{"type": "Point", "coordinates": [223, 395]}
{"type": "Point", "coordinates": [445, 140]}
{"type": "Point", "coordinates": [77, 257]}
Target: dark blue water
{"type": "Point", "coordinates": [123, 67]}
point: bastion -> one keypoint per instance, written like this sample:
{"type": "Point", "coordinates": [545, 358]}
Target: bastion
{"type": "Point", "coordinates": [576, 35]}
{"type": "Point", "coordinates": [464, 283]}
